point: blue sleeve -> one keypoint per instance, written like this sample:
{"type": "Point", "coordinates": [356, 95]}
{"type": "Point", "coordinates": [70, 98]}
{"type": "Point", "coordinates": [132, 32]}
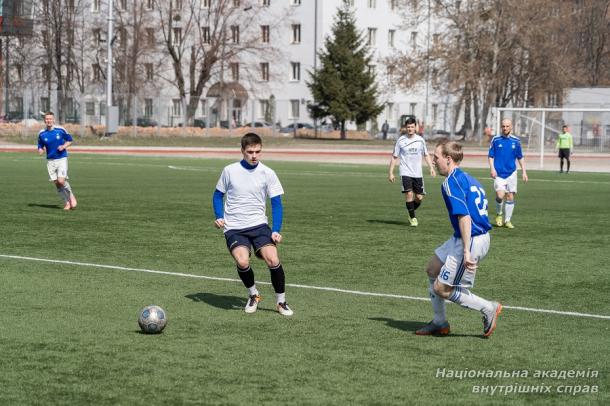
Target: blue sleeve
{"type": "Point", "coordinates": [277, 213]}
{"type": "Point", "coordinates": [218, 203]}
{"type": "Point", "coordinates": [519, 151]}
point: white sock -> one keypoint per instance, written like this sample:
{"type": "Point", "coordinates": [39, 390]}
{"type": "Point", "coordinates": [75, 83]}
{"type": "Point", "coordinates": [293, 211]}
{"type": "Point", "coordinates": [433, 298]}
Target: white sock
{"type": "Point", "coordinates": [466, 298]}
{"type": "Point", "coordinates": [499, 208]}
{"type": "Point", "coordinates": [252, 291]}
{"type": "Point", "coordinates": [281, 297]}
{"type": "Point", "coordinates": [438, 304]}
{"type": "Point", "coordinates": [510, 206]}
{"type": "Point", "coordinates": [64, 194]}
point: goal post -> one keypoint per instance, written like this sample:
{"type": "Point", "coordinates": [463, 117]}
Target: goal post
{"type": "Point", "coordinates": [538, 128]}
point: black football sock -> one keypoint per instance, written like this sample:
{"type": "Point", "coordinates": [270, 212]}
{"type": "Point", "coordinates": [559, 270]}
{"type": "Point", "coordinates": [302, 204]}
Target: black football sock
{"type": "Point", "coordinates": [411, 209]}
{"type": "Point", "coordinates": [246, 276]}
{"type": "Point", "coordinates": [278, 279]}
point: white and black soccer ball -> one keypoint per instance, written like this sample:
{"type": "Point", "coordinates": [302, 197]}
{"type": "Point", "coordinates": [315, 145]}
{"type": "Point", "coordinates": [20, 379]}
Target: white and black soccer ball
{"type": "Point", "coordinates": [152, 319]}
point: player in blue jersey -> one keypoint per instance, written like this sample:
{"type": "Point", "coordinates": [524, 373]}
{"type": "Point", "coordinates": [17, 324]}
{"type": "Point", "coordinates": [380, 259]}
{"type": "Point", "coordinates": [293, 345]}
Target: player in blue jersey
{"type": "Point", "coordinates": [247, 185]}
{"type": "Point", "coordinates": [55, 140]}
{"type": "Point", "coordinates": [451, 271]}
{"type": "Point", "coordinates": [504, 150]}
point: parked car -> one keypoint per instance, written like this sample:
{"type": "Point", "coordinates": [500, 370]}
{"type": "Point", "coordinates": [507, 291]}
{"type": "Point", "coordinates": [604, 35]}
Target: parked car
{"type": "Point", "coordinates": [259, 124]}
{"type": "Point", "coordinates": [199, 122]}
{"type": "Point", "coordinates": [291, 127]}
{"type": "Point", "coordinates": [142, 122]}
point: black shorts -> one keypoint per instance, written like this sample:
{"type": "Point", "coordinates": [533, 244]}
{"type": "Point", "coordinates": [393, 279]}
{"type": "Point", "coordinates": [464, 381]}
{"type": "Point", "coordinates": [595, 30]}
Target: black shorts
{"type": "Point", "coordinates": [564, 153]}
{"type": "Point", "coordinates": [257, 237]}
{"type": "Point", "coordinates": [416, 185]}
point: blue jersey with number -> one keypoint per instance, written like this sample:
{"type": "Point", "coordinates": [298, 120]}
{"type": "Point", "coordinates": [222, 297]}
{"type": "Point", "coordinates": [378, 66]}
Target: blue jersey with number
{"type": "Point", "coordinates": [464, 196]}
{"type": "Point", "coordinates": [504, 151]}
{"type": "Point", "coordinates": [53, 139]}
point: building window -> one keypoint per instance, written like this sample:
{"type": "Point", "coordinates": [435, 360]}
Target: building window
{"type": "Point", "coordinates": [148, 108]}
{"type": "Point", "coordinates": [296, 71]}
{"type": "Point", "coordinates": [414, 5]}
{"type": "Point", "coordinates": [414, 40]}
{"type": "Point", "coordinates": [90, 108]}
{"type": "Point", "coordinates": [45, 104]}
{"type": "Point", "coordinates": [205, 35]}
{"type": "Point", "coordinates": [203, 105]}
{"type": "Point", "coordinates": [177, 4]}
{"type": "Point", "coordinates": [122, 4]}
{"type": "Point", "coordinates": [265, 33]}
{"type": "Point", "coordinates": [97, 37]}
{"type": "Point", "coordinates": [96, 72]}
{"type": "Point", "coordinates": [19, 72]}
{"type": "Point", "coordinates": [391, 38]}
{"type": "Point", "coordinates": [434, 113]}
{"type": "Point", "coordinates": [95, 6]}
{"type": "Point", "coordinates": [46, 72]}
{"type": "Point", "coordinates": [412, 107]}
{"type": "Point", "coordinates": [150, 36]}
{"type": "Point", "coordinates": [263, 106]}
{"type": "Point", "coordinates": [265, 3]}
{"type": "Point", "coordinates": [393, 4]}
{"type": "Point", "coordinates": [372, 36]}
{"type": "Point", "coordinates": [235, 71]}
{"type": "Point", "coordinates": [176, 107]}
{"type": "Point", "coordinates": [294, 108]}
{"type": "Point", "coordinates": [177, 36]}
{"type": "Point", "coordinates": [236, 3]}
{"type": "Point", "coordinates": [296, 33]}
{"type": "Point", "coordinates": [150, 4]}
{"type": "Point", "coordinates": [390, 111]}
{"type": "Point", "coordinates": [205, 3]}
{"type": "Point", "coordinates": [149, 71]}
{"type": "Point", "coordinates": [372, 3]}
{"type": "Point", "coordinates": [436, 40]}
{"type": "Point", "coordinates": [295, 2]}
{"type": "Point", "coordinates": [235, 34]}
{"type": "Point", "coordinates": [265, 71]}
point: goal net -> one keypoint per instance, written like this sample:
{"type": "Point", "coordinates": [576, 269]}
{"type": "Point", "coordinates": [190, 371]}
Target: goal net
{"type": "Point", "coordinates": [538, 129]}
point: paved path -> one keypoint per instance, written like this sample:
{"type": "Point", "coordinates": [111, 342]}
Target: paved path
{"type": "Point", "coordinates": [378, 155]}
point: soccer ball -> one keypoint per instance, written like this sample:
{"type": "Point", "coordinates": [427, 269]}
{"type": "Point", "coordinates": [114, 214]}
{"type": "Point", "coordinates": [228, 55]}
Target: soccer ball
{"type": "Point", "coordinates": [152, 319]}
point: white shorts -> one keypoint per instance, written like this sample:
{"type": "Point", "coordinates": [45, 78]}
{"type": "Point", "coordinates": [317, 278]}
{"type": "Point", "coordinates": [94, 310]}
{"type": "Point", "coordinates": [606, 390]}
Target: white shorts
{"type": "Point", "coordinates": [451, 254]}
{"type": "Point", "coordinates": [57, 168]}
{"type": "Point", "coordinates": [506, 184]}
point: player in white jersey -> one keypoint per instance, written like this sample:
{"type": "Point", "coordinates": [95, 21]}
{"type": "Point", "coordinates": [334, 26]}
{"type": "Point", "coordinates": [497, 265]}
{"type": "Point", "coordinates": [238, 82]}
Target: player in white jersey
{"type": "Point", "coordinates": [410, 149]}
{"type": "Point", "coordinates": [247, 185]}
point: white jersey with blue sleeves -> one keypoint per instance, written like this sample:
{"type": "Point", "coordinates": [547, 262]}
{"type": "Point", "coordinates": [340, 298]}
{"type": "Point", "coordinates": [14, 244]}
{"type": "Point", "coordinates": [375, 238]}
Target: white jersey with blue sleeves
{"type": "Point", "coordinates": [246, 193]}
{"type": "Point", "coordinates": [464, 196]}
{"type": "Point", "coordinates": [410, 151]}
{"type": "Point", "coordinates": [505, 150]}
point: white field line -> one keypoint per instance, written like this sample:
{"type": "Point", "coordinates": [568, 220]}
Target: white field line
{"type": "Point", "coordinates": [322, 288]}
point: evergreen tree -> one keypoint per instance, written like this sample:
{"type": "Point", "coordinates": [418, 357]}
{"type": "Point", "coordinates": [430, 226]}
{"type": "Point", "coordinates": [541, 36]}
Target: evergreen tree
{"type": "Point", "coordinates": [343, 87]}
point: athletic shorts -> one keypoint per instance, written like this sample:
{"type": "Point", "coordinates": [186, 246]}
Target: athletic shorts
{"type": "Point", "coordinates": [451, 254]}
{"type": "Point", "coordinates": [416, 185]}
{"type": "Point", "coordinates": [564, 153]}
{"type": "Point", "coordinates": [57, 168]}
{"type": "Point", "coordinates": [506, 184]}
{"type": "Point", "coordinates": [257, 237]}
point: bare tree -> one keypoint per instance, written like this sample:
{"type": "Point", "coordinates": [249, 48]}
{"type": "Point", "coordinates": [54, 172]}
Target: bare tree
{"type": "Point", "coordinates": [200, 42]}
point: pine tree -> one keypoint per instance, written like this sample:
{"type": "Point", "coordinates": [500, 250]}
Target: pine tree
{"type": "Point", "coordinates": [344, 88]}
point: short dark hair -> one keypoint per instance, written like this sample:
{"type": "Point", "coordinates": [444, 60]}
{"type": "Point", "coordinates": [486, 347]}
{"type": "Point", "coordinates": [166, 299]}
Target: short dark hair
{"type": "Point", "coordinates": [49, 113]}
{"type": "Point", "coordinates": [250, 139]}
{"type": "Point", "coordinates": [451, 149]}
{"type": "Point", "coordinates": [564, 126]}
{"type": "Point", "coordinates": [410, 120]}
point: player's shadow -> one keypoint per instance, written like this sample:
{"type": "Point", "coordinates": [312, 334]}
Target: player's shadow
{"type": "Point", "coordinates": [219, 301]}
{"type": "Point", "coordinates": [223, 301]}
{"type": "Point", "coordinates": [389, 222]}
{"type": "Point", "coordinates": [412, 326]}
{"type": "Point", "coordinates": [45, 206]}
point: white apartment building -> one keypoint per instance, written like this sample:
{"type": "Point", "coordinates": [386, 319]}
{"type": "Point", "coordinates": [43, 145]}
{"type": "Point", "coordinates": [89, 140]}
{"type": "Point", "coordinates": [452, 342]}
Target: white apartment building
{"type": "Point", "coordinates": [251, 82]}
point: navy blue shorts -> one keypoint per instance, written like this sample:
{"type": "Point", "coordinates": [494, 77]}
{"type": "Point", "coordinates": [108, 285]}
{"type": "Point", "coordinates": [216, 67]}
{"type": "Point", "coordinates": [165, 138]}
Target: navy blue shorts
{"type": "Point", "coordinates": [257, 237]}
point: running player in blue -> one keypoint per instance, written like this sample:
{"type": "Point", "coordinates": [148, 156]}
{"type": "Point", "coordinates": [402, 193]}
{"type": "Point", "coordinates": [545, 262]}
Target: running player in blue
{"type": "Point", "coordinates": [503, 151]}
{"type": "Point", "coordinates": [451, 271]}
{"type": "Point", "coordinates": [55, 141]}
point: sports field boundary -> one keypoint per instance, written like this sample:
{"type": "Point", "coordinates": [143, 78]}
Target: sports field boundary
{"type": "Point", "coordinates": [292, 285]}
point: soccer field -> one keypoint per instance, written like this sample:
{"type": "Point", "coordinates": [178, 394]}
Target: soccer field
{"type": "Point", "coordinates": [73, 283]}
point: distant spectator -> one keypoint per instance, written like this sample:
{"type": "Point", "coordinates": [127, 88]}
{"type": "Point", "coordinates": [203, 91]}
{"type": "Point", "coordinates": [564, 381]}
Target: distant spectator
{"type": "Point", "coordinates": [384, 129]}
{"type": "Point", "coordinates": [565, 144]}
